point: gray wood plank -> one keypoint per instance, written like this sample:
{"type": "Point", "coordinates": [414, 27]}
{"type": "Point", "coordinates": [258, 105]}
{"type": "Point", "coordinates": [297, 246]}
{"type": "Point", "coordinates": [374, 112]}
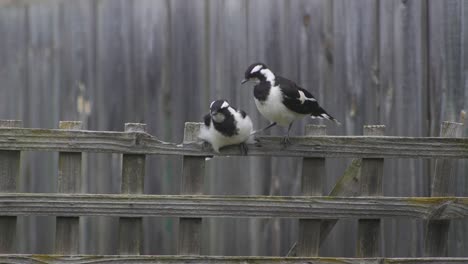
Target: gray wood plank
{"type": "Point", "coordinates": [447, 86]}
{"type": "Point", "coordinates": [193, 174]}
{"type": "Point", "coordinates": [442, 185]}
{"type": "Point", "coordinates": [196, 206]}
{"type": "Point", "coordinates": [133, 176]}
{"type": "Point", "coordinates": [369, 231]}
{"type": "Point", "coordinates": [40, 98]}
{"type": "Point", "coordinates": [313, 172]}
{"type": "Point", "coordinates": [149, 100]}
{"type": "Point", "coordinates": [68, 181]}
{"type": "Point", "coordinates": [77, 74]}
{"type": "Point", "coordinates": [54, 259]}
{"type": "Point", "coordinates": [403, 100]}
{"type": "Point", "coordinates": [9, 173]}
{"type": "Point", "coordinates": [302, 146]}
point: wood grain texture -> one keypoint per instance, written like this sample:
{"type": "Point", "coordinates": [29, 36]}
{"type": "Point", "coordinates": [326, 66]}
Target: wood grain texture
{"type": "Point", "coordinates": [141, 143]}
{"type": "Point", "coordinates": [193, 174]}
{"type": "Point", "coordinates": [233, 206]}
{"type": "Point", "coordinates": [403, 89]}
{"type": "Point", "coordinates": [355, 89]}
{"type": "Point", "coordinates": [442, 185]}
{"type": "Point", "coordinates": [313, 171]}
{"type": "Point", "coordinates": [133, 177]}
{"type": "Point", "coordinates": [9, 173]}
{"type": "Point", "coordinates": [90, 259]}
{"type": "Point", "coordinates": [68, 181]}
{"type": "Point", "coordinates": [368, 244]}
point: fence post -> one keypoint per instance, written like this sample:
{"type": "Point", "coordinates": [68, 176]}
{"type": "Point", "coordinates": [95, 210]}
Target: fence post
{"type": "Point", "coordinates": [9, 173]}
{"type": "Point", "coordinates": [371, 185]}
{"type": "Point", "coordinates": [68, 181]}
{"type": "Point", "coordinates": [192, 183]}
{"type": "Point", "coordinates": [133, 177]}
{"type": "Point", "coordinates": [437, 230]}
{"type": "Point", "coordinates": [313, 171]}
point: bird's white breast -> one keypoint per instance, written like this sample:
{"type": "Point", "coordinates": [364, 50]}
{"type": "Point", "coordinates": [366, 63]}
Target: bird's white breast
{"type": "Point", "coordinates": [274, 109]}
{"type": "Point", "coordinates": [218, 140]}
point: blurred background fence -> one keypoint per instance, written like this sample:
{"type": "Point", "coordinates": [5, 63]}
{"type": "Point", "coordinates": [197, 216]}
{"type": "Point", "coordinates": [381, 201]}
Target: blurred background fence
{"type": "Point", "coordinates": [400, 63]}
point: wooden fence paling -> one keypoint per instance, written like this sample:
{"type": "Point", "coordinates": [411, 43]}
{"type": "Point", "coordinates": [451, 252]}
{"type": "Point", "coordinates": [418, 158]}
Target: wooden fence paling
{"type": "Point", "coordinates": [437, 230]}
{"type": "Point", "coordinates": [68, 181]}
{"type": "Point", "coordinates": [371, 185]}
{"type": "Point", "coordinates": [9, 172]}
{"type": "Point", "coordinates": [192, 183]}
{"type": "Point", "coordinates": [133, 177]}
{"type": "Point", "coordinates": [313, 171]}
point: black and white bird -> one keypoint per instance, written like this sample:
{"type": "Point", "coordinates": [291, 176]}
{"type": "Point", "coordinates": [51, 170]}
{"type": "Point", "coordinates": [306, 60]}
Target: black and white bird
{"type": "Point", "coordinates": [225, 125]}
{"type": "Point", "coordinates": [280, 100]}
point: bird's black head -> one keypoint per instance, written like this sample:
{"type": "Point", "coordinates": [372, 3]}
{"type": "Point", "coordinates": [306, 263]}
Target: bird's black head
{"type": "Point", "coordinates": [218, 110]}
{"type": "Point", "coordinates": [258, 72]}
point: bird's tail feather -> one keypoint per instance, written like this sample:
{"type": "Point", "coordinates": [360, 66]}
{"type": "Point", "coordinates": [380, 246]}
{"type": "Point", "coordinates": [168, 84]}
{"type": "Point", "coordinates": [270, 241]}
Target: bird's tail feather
{"type": "Point", "coordinates": [325, 115]}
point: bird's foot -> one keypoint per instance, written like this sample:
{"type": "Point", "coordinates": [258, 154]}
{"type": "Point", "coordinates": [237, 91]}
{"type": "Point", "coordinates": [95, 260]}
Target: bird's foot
{"type": "Point", "coordinates": [244, 149]}
{"type": "Point", "coordinates": [205, 146]}
{"type": "Point", "coordinates": [285, 141]}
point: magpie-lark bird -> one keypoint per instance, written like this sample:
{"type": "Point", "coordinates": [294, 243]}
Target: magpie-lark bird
{"type": "Point", "coordinates": [280, 100]}
{"type": "Point", "coordinates": [225, 125]}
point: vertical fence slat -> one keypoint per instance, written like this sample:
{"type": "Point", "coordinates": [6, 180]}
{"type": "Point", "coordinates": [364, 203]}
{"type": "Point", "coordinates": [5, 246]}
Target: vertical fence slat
{"type": "Point", "coordinates": [133, 176]}
{"type": "Point", "coordinates": [437, 230]}
{"type": "Point", "coordinates": [68, 181]}
{"type": "Point", "coordinates": [371, 185]}
{"type": "Point", "coordinates": [9, 173]}
{"type": "Point", "coordinates": [192, 183]}
{"type": "Point", "coordinates": [313, 171]}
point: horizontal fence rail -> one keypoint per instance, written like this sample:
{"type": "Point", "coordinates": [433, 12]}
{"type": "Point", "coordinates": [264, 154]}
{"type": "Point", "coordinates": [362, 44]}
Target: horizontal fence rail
{"type": "Point", "coordinates": [54, 259]}
{"type": "Point", "coordinates": [311, 146]}
{"type": "Point", "coordinates": [232, 206]}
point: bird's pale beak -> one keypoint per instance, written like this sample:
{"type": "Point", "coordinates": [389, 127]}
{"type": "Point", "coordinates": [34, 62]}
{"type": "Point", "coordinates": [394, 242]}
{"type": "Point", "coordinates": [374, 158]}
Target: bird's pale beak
{"type": "Point", "coordinates": [244, 81]}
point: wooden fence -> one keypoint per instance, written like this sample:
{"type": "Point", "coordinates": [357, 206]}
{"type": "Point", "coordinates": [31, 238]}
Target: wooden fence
{"type": "Point", "coordinates": [316, 214]}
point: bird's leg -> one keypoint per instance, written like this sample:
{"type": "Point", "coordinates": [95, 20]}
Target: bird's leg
{"type": "Point", "coordinates": [244, 149]}
{"type": "Point", "coordinates": [263, 129]}
{"type": "Point", "coordinates": [285, 141]}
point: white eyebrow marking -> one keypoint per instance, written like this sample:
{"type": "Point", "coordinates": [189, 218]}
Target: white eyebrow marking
{"type": "Point", "coordinates": [256, 68]}
{"type": "Point", "coordinates": [212, 104]}
{"type": "Point", "coordinates": [225, 104]}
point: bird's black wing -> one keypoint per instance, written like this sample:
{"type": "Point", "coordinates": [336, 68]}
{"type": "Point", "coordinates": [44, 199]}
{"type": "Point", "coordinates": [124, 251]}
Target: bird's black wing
{"type": "Point", "coordinates": [292, 97]}
{"type": "Point", "coordinates": [305, 105]}
{"type": "Point", "coordinates": [207, 120]}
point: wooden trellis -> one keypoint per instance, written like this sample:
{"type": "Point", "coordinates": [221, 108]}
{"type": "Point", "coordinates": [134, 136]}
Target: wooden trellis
{"type": "Point", "coordinates": [317, 214]}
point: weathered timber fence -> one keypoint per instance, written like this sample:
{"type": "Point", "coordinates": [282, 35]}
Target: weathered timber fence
{"type": "Point", "coordinates": [317, 214]}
